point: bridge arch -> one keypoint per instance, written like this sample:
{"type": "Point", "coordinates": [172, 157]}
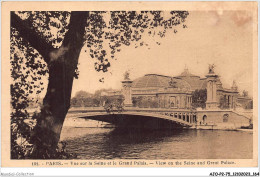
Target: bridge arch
{"type": "Point", "coordinates": [140, 119]}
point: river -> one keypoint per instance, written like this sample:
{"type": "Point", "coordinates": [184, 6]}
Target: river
{"type": "Point", "coordinates": [113, 143]}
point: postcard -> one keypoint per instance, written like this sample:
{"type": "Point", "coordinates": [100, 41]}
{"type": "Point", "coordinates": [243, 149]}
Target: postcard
{"type": "Point", "coordinates": [129, 84]}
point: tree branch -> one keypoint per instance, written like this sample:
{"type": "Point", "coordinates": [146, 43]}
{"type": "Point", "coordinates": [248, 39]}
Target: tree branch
{"type": "Point", "coordinates": [75, 34]}
{"type": "Point", "coordinates": [35, 40]}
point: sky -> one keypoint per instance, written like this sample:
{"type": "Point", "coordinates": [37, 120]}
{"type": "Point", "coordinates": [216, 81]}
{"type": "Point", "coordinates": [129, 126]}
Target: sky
{"type": "Point", "coordinates": [224, 38]}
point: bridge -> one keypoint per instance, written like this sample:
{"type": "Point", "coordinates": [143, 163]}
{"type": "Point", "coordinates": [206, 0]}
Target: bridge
{"type": "Point", "coordinates": [141, 117]}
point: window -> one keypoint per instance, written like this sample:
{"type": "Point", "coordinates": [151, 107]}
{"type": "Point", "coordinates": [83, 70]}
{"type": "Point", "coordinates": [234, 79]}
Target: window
{"type": "Point", "coordinates": [204, 119]}
{"type": "Point", "coordinates": [225, 117]}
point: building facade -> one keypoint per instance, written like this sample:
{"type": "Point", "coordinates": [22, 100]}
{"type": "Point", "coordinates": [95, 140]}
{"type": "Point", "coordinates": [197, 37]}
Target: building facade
{"type": "Point", "coordinates": [175, 92]}
{"type": "Point", "coordinates": [165, 91]}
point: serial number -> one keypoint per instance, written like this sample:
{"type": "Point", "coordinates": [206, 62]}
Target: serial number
{"type": "Point", "coordinates": [234, 174]}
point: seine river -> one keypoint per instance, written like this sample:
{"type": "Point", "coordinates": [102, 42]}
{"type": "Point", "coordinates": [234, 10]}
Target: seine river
{"type": "Point", "coordinates": [111, 143]}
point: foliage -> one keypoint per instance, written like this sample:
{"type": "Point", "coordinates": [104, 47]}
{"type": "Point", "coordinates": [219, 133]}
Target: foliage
{"type": "Point", "coordinates": [82, 98]}
{"type": "Point", "coordinates": [114, 106]}
{"type": "Point", "coordinates": [145, 102]}
{"type": "Point", "coordinates": [105, 34]}
{"type": "Point", "coordinates": [136, 101]}
{"type": "Point", "coordinates": [99, 98]}
{"type": "Point", "coordinates": [83, 94]}
{"type": "Point", "coordinates": [26, 75]}
{"type": "Point", "coordinates": [84, 102]}
{"type": "Point", "coordinates": [124, 28]}
{"type": "Point", "coordinates": [223, 102]}
{"type": "Point", "coordinates": [98, 93]}
{"type": "Point", "coordinates": [22, 149]}
{"type": "Point", "coordinates": [199, 98]}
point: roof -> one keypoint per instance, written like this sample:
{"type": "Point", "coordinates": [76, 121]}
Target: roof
{"type": "Point", "coordinates": [186, 73]}
{"type": "Point", "coordinates": [159, 81]}
{"type": "Point", "coordinates": [195, 82]}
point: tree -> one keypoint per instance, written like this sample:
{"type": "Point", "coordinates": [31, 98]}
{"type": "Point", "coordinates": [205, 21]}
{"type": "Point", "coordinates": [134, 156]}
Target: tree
{"type": "Point", "coordinates": [82, 98]}
{"type": "Point", "coordinates": [136, 101]}
{"type": "Point", "coordinates": [49, 44]}
{"type": "Point", "coordinates": [223, 102]}
{"type": "Point", "coordinates": [83, 94]}
{"type": "Point", "coordinates": [199, 98]}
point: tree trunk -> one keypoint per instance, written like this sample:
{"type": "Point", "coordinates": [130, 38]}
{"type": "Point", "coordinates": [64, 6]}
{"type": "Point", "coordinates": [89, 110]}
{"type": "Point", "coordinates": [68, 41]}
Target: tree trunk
{"type": "Point", "coordinates": [56, 103]}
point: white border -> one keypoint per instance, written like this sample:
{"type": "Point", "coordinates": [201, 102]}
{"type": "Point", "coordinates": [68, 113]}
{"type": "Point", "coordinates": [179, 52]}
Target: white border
{"type": "Point", "coordinates": [125, 171]}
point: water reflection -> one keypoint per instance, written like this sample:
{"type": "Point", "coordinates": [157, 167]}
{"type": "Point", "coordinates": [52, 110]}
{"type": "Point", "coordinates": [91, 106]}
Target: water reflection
{"type": "Point", "coordinates": [102, 143]}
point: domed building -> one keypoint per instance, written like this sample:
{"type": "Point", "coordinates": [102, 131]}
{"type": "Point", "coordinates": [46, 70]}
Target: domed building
{"type": "Point", "coordinates": [155, 90]}
{"type": "Point", "coordinates": [195, 82]}
{"type": "Point", "coordinates": [165, 91]}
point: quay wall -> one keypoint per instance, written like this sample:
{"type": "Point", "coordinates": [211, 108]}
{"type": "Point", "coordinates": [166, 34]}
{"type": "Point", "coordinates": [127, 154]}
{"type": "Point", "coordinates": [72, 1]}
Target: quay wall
{"type": "Point", "coordinates": [221, 119]}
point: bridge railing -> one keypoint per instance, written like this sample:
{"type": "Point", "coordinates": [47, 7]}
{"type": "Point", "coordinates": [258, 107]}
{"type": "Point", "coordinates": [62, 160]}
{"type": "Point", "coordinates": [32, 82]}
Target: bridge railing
{"type": "Point", "coordinates": [185, 115]}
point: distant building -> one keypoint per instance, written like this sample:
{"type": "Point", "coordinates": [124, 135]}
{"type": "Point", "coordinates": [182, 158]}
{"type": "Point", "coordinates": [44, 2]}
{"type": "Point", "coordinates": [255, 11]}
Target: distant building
{"type": "Point", "coordinates": [110, 93]}
{"type": "Point", "coordinates": [245, 102]}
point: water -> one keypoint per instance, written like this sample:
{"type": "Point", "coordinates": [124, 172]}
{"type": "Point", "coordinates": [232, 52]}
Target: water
{"type": "Point", "coordinates": [110, 143]}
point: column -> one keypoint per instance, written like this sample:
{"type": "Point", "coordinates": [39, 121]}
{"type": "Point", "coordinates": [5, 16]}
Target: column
{"type": "Point", "coordinates": [233, 102]}
{"type": "Point", "coordinates": [127, 92]}
{"type": "Point", "coordinates": [211, 102]}
{"type": "Point", "coordinates": [180, 102]}
{"type": "Point", "coordinates": [183, 99]}
{"type": "Point", "coordinates": [209, 91]}
{"type": "Point", "coordinates": [228, 101]}
{"type": "Point", "coordinates": [214, 91]}
{"type": "Point", "coordinates": [225, 101]}
{"type": "Point", "coordinates": [165, 99]}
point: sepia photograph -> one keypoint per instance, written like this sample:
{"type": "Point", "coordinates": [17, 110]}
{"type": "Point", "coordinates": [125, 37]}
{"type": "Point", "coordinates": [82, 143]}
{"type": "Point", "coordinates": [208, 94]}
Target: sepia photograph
{"type": "Point", "coordinates": [134, 85]}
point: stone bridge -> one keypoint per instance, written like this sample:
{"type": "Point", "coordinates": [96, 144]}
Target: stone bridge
{"type": "Point", "coordinates": [141, 117]}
